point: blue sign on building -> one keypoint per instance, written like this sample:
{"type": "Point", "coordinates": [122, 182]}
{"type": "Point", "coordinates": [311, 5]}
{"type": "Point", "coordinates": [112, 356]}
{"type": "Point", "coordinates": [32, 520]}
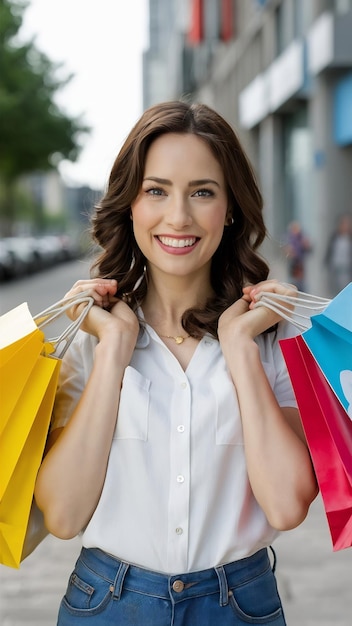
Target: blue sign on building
{"type": "Point", "coordinates": [343, 111]}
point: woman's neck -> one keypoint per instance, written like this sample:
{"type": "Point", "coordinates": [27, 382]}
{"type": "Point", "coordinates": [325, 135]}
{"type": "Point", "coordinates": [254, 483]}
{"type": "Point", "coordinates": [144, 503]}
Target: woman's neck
{"type": "Point", "coordinates": [166, 301]}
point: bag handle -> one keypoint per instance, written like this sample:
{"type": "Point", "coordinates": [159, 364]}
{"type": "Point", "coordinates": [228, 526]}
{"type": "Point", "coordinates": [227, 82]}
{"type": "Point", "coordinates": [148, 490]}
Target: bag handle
{"type": "Point", "coordinates": [58, 309]}
{"type": "Point", "coordinates": [297, 309]}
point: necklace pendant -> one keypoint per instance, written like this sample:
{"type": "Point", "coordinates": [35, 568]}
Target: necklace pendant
{"type": "Point", "coordinates": [178, 339]}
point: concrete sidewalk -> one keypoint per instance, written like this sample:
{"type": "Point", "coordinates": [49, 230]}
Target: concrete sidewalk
{"type": "Point", "coordinates": [314, 582]}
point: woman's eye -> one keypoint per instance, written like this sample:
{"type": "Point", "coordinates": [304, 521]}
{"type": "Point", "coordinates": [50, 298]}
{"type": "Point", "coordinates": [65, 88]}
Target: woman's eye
{"type": "Point", "coordinates": [154, 191]}
{"type": "Point", "coordinates": [201, 193]}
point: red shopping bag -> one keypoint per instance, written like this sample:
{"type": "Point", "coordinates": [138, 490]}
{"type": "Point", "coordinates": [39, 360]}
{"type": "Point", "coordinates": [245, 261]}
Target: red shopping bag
{"type": "Point", "coordinates": [328, 431]}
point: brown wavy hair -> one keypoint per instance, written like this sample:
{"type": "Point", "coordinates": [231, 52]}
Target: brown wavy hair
{"type": "Point", "coordinates": [236, 261]}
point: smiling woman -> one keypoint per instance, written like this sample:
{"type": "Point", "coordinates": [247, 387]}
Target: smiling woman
{"type": "Point", "coordinates": [181, 212]}
{"type": "Point", "coordinates": [175, 413]}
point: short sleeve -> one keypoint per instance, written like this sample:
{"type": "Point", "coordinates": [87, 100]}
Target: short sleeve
{"type": "Point", "coordinates": [74, 373]}
{"type": "Point", "coordinates": [271, 354]}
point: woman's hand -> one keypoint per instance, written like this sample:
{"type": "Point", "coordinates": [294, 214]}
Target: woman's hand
{"type": "Point", "coordinates": [244, 318]}
{"type": "Point", "coordinates": [108, 314]}
{"type": "Point", "coordinates": [102, 290]}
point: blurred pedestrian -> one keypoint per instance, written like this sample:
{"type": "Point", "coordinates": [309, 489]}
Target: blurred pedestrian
{"type": "Point", "coordinates": [338, 258]}
{"type": "Point", "coordinates": [297, 246]}
{"type": "Point", "coordinates": [176, 445]}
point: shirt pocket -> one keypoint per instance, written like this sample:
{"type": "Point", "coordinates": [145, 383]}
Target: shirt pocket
{"type": "Point", "coordinates": [228, 424]}
{"type": "Point", "coordinates": [132, 418]}
{"type": "Point", "coordinates": [228, 418]}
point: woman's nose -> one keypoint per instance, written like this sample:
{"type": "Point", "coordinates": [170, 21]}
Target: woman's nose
{"type": "Point", "coordinates": [179, 213]}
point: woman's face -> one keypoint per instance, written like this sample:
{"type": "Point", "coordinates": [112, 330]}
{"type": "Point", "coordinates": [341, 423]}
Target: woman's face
{"type": "Point", "coordinates": [180, 211]}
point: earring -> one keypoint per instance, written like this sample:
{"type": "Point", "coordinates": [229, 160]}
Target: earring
{"type": "Point", "coordinates": [229, 220]}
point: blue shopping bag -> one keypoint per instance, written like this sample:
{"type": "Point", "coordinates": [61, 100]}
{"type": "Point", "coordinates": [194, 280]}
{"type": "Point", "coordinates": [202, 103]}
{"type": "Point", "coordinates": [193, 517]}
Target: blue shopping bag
{"type": "Point", "coordinates": [330, 341]}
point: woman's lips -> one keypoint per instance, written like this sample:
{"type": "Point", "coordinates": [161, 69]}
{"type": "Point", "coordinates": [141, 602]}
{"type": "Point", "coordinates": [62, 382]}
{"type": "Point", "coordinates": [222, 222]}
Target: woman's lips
{"type": "Point", "coordinates": [177, 245]}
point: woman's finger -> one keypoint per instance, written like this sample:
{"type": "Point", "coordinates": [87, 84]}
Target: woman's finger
{"type": "Point", "coordinates": [253, 293]}
{"type": "Point", "coordinates": [101, 290]}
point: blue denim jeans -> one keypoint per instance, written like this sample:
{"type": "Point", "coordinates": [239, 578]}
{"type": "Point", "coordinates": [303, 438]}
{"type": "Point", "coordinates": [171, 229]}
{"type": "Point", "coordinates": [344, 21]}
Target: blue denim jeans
{"type": "Point", "coordinates": [110, 592]}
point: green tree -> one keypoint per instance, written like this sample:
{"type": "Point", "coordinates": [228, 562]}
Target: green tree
{"type": "Point", "coordinates": [34, 133]}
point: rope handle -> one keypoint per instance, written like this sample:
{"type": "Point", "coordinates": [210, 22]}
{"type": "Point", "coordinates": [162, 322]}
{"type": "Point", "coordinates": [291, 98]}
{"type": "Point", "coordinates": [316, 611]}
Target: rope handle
{"type": "Point", "coordinates": [58, 309]}
{"type": "Point", "coordinates": [297, 309]}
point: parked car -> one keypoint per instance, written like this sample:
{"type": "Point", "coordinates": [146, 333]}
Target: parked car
{"type": "Point", "coordinates": [25, 257]}
{"type": "Point", "coordinates": [22, 255]}
{"type": "Point", "coordinates": [6, 262]}
{"type": "Point", "coordinates": [49, 250]}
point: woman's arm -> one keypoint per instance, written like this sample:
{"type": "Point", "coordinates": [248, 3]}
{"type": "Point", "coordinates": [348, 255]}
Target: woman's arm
{"type": "Point", "coordinates": [278, 461]}
{"type": "Point", "coordinates": [72, 475]}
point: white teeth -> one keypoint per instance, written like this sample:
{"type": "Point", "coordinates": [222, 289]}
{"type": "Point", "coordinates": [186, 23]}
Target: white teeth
{"type": "Point", "coordinates": [177, 243]}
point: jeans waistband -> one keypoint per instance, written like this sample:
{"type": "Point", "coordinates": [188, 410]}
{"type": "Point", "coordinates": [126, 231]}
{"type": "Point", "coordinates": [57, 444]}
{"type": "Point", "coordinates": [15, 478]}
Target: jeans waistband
{"type": "Point", "coordinates": [180, 586]}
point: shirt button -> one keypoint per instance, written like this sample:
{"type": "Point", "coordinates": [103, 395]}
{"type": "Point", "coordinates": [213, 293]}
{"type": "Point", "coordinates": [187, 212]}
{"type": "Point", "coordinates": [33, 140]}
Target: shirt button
{"type": "Point", "coordinates": [181, 428]}
{"type": "Point", "coordinates": [179, 531]}
{"type": "Point", "coordinates": [178, 586]}
{"type": "Point", "coordinates": [183, 385]}
{"type": "Point", "coordinates": [180, 478]}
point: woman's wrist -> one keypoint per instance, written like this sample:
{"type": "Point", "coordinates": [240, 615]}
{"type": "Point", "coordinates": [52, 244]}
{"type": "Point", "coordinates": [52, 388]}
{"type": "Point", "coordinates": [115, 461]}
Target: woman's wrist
{"type": "Point", "coordinates": [115, 348]}
{"type": "Point", "coordinates": [238, 349]}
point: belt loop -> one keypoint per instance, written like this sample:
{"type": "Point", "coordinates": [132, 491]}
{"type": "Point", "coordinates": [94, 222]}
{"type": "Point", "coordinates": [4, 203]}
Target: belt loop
{"type": "Point", "coordinates": [120, 577]}
{"type": "Point", "coordinates": [273, 567]}
{"type": "Point", "coordinates": [224, 590]}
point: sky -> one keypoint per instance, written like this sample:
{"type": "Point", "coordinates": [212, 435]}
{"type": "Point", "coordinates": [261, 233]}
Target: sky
{"type": "Point", "coordinates": [101, 42]}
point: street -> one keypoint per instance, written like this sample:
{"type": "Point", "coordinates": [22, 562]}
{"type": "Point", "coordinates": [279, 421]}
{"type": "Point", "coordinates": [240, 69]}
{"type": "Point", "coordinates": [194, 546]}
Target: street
{"type": "Point", "coordinates": [314, 582]}
{"type": "Point", "coordinates": [42, 289]}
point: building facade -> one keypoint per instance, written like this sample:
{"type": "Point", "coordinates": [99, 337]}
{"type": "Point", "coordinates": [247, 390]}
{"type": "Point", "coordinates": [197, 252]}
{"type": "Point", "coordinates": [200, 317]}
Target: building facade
{"type": "Point", "coordinates": [280, 71]}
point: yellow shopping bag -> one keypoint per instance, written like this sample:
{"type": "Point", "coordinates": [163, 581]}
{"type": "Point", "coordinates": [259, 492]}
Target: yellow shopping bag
{"type": "Point", "coordinates": [29, 369]}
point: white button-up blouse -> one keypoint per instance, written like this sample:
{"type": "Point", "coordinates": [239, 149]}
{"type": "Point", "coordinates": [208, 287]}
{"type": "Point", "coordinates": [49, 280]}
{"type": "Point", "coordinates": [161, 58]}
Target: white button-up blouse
{"type": "Point", "coordinates": [176, 496]}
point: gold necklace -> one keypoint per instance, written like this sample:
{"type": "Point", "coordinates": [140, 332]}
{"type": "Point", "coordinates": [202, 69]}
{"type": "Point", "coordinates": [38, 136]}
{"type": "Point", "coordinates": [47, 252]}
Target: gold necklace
{"type": "Point", "coordinates": [177, 339]}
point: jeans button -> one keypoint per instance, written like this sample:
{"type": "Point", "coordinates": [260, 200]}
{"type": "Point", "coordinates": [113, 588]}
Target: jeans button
{"type": "Point", "coordinates": [178, 586]}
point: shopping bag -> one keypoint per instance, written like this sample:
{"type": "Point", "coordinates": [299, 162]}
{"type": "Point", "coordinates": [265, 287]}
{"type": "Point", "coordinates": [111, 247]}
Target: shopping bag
{"type": "Point", "coordinates": [326, 327]}
{"type": "Point", "coordinates": [328, 431]}
{"type": "Point", "coordinates": [36, 531]}
{"type": "Point", "coordinates": [330, 341]}
{"type": "Point", "coordinates": [298, 308]}
{"type": "Point", "coordinates": [29, 369]}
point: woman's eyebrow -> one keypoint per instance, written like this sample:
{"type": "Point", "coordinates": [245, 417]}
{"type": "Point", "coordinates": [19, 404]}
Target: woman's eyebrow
{"type": "Point", "coordinates": [202, 181]}
{"type": "Point", "coordinates": [192, 183]}
{"type": "Point", "coordinates": [161, 181]}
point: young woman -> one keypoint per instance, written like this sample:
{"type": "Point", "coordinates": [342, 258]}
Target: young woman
{"type": "Point", "coordinates": [176, 446]}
